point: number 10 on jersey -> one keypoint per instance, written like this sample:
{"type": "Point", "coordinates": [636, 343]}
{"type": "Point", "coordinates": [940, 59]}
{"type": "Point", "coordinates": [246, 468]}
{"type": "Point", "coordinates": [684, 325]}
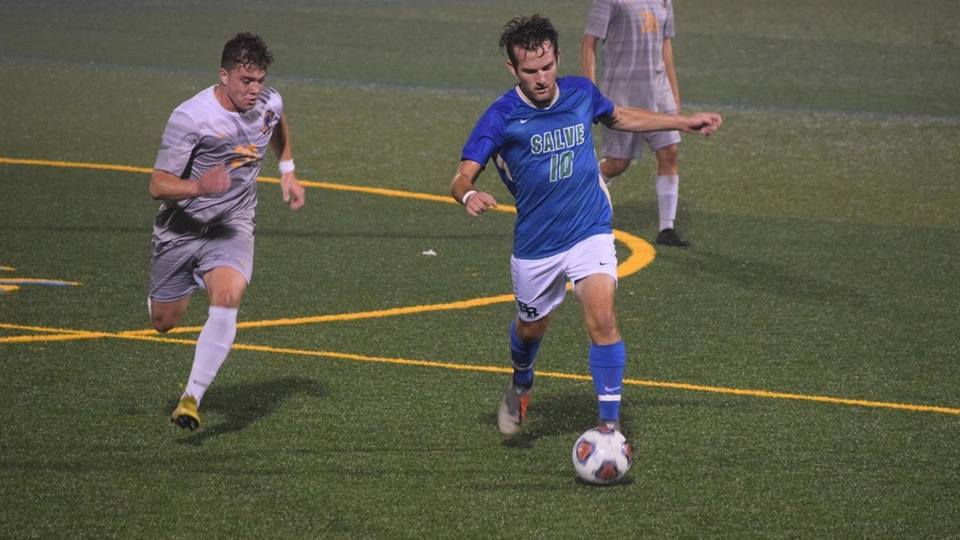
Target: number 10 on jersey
{"type": "Point", "coordinates": [561, 165]}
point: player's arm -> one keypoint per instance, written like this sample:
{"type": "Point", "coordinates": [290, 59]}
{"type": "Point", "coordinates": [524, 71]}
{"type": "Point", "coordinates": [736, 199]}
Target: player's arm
{"type": "Point", "coordinates": [170, 187]}
{"type": "Point", "coordinates": [292, 191]}
{"type": "Point", "coordinates": [671, 72]}
{"type": "Point", "coordinates": [462, 190]}
{"type": "Point", "coordinates": [636, 120]}
{"type": "Point", "coordinates": [588, 57]}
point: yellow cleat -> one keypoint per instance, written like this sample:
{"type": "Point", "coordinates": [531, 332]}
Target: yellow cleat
{"type": "Point", "coordinates": [185, 415]}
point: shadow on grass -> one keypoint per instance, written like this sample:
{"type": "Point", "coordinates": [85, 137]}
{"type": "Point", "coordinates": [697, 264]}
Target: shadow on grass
{"type": "Point", "coordinates": [746, 272]}
{"type": "Point", "coordinates": [550, 415]}
{"type": "Point", "coordinates": [571, 413]}
{"type": "Point", "coordinates": [241, 405]}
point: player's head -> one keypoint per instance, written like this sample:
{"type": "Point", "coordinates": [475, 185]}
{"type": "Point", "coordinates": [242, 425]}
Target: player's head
{"type": "Point", "coordinates": [245, 50]}
{"type": "Point", "coordinates": [533, 52]}
{"type": "Point", "coordinates": [531, 33]}
{"type": "Point", "coordinates": [243, 69]}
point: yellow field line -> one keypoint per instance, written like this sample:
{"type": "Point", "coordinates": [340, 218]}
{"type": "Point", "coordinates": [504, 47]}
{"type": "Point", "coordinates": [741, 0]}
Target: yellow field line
{"type": "Point", "coordinates": [58, 334]}
{"type": "Point", "coordinates": [642, 254]}
{"type": "Point", "coordinates": [465, 304]}
{"type": "Point", "coordinates": [266, 179]}
{"type": "Point", "coordinates": [801, 397]}
{"type": "Point", "coordinates": [559, 375]}
{"type": "Point", "coordinates": [75, 165]}
{"type": "Point", "coordinates": [61, 334]}
{"type": "Point", "coordinates": [24, 281]}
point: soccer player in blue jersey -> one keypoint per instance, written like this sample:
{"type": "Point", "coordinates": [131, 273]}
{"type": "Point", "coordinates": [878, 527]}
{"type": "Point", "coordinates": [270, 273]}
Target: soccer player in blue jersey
{"type": "Point", "coordinates": [539, 138]}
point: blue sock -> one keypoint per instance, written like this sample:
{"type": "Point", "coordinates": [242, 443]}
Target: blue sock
{"type": "Point", "coordinates": [606, 366]}
{"type": "Point", "coordinates": [522, 354]}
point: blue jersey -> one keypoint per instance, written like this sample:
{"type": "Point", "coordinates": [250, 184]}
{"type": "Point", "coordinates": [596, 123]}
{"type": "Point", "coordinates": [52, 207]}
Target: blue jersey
{"type": "Point", "coordinates": [546, 159]}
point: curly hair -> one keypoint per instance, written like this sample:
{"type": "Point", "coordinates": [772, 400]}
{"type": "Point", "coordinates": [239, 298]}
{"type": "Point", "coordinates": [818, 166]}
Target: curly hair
{"type": "Point", "coordinates": [529, 33]}
{"type": "Point", "coordinates": [245, 49]}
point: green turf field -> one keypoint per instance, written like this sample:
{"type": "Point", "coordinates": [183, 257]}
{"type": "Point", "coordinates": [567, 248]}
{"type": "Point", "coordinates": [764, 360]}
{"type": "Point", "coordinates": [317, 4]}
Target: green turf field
{"type": "Point", "coordinates": [793, 374]}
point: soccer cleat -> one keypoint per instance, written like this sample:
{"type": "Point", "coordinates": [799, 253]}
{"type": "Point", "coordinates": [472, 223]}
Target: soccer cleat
{"type": "Point", "coordinates": [669, 237]}
{"type": "Point", "coordinates": [513, 409]}
{"type": "Point", "coordinates": [185, 415]}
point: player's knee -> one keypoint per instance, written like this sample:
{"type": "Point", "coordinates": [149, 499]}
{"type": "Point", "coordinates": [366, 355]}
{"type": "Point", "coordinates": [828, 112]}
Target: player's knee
{"type": "Point", "coordinates": [603, 329]}
{"type": "Point", "coordinates": [163, 324]}
{"type": "Point", "coordinates": [613, 167]}
{"type": "Point", "coordinates": [532, 330]}
{"type": "Point", "coordinates": [226, 298]}
{"type": "Point", "coordinates": [669, 155]}
{"type": "Point", "coordinates": [162, 317]}
{"type": "Point", "coordinates": [227, 293]}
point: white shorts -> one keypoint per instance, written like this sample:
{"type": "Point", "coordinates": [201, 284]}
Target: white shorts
{"type": "Point", "coordinates": [539, 285]}
{"type": "Point", "coordinates": [626, 145]}
{"type": "Point", "coordinates": [178, 266]}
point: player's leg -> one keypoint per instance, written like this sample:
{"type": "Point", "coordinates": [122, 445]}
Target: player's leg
{"type": "Point", "coordinates": [607, 352]}
{"type": "Point", "coordinates": [596, 296]}
{"type": "Point", "coordinates": [593, 267]}
{"type": "Point", "coordinates": [224, 268]}
{"type": "Point", "coordinates": [524, 343]}
{"type": "Point", "coordinates": [665, 145]}
{"type": "Point", "coordinates": [171, 282]}
{"type": "Point", "coordinates": [165, 316]}
{"type": "Point", "coordinates": [618, 149]}
{"type": "Point", "coordinates": [611, 168]}
{"type": "Point", "coordinates": [225, 286]}
{"type": "Point", "coordinates": [539, 286]}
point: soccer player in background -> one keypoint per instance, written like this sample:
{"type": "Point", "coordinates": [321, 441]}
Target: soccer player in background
{"type": "Point", "coordinates": [538, 135]}
{"type": "Point", "coordinates": [638, 72]}
{"type": "Point", "coordinates": [206, 174]}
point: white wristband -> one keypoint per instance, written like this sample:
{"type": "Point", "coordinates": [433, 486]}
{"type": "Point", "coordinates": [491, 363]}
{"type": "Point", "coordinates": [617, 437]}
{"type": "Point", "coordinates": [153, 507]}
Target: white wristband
{"type": "Point", "coordinates": [287, 166]}
{"type": "Point", "coordinates": [467, 195]}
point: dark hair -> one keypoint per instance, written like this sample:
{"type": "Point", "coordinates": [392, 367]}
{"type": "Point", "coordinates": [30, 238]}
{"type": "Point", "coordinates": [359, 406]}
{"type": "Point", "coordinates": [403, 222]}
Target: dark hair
{"type": "Point", "coordinates": [245, 49]}
{"type": "Point", "coordinates": [528, 33]}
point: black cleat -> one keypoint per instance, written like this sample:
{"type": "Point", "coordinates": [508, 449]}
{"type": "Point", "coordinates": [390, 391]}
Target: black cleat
{"type": "Point", "coordinates": [669, 237]}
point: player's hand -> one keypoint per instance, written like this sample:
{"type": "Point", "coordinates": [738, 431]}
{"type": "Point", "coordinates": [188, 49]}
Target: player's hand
{"type": "Point", "coordinates": [703, 123]}
{"type": "Point", "coordinates": [214, 181]}
{"type": "Point", "coordinates": [293, 193]}
{"type": "Point", "coordinates": [478, 203]}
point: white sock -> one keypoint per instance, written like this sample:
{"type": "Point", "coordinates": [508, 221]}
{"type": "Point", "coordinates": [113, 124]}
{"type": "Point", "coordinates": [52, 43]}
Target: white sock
{"type": "Point", "coordinates": [213, 345]}
{"type": "Point", "coordinates": [668, 190]}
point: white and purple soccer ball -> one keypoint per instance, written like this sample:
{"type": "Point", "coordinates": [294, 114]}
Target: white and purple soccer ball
{"type": "Point", "coordinates": [602, 456]}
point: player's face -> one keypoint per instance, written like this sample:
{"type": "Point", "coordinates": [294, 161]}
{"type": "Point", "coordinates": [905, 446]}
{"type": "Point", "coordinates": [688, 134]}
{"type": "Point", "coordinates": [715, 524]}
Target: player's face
{"type": "Point", "coordinates": [242, 87]}
{"type": "Point", "coordinates": [537, 73]}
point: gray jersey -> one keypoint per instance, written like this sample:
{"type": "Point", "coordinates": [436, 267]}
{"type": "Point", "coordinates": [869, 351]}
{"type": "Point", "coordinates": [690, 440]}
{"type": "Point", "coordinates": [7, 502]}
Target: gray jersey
{"type": "Point", "coordinates": [201, 134]}
{"type": "Point", "coordinates": [632, 32]}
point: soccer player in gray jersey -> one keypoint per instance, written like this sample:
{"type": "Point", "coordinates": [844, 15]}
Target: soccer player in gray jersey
{"type": "Point", "coordinates": [206, 175]}
{"type": "Point", "coordinates": [638, 71]}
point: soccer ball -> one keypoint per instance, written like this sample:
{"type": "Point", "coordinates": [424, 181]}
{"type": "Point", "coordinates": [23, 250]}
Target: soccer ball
{"type": "Point", "coordinates": [602, 456]}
